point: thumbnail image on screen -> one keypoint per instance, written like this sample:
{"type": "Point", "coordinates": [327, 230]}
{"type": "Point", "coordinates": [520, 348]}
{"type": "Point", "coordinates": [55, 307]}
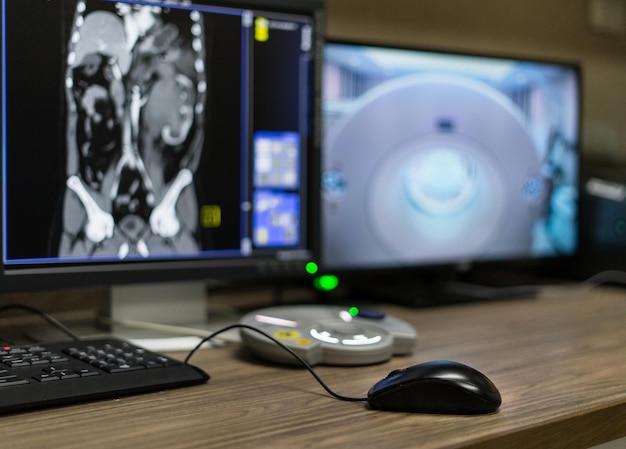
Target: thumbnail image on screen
{"type": "Point", "coordinates": [438, 158]}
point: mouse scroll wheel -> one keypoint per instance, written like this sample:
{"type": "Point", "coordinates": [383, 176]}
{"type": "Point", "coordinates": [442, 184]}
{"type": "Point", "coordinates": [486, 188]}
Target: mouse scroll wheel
{"type": "Point", "coordinates": [395, 372]}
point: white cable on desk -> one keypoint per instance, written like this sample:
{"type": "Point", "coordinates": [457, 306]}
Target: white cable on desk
{"type": "Point", "coordinates": [541, 291]}
{"type": "Point", "coordinates": [585, 286]}
{"type": "Point", "coordinates": [175, 337]}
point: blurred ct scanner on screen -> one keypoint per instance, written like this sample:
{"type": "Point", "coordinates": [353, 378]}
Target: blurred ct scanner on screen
{"type": "Point", "coordinates": [437, 158]}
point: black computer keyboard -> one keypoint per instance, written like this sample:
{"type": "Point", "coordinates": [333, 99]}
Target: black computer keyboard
{"type": "Point", "coordinates": [43, 375]}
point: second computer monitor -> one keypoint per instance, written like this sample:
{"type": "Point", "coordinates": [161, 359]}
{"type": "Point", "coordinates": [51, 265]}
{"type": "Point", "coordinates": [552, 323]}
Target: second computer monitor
{"type": "Point", "coordinates": [434, 158]}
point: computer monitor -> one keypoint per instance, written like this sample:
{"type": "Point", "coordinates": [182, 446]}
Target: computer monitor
{"type": "Point", "coordinates": [158, 141]}
{"type": "Point", "coordinates": [441, 159]}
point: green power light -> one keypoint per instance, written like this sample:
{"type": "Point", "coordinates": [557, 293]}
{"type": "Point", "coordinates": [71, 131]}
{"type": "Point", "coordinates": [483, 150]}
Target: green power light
{"type": "Point", "coordinates": [311, 267]}
{"type": "Point", "coordinates": [326, 282]}
{"type": "Point", "coordinates": [353, 311]}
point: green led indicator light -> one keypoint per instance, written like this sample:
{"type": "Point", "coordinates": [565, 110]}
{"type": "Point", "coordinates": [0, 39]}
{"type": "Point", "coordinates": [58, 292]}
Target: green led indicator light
{"type": "Point", "coordinates": [353, 311]}
{"type": "Point", "coordinates": [326, 282]}
{"type": "Point", "coordinates": [311, 267]}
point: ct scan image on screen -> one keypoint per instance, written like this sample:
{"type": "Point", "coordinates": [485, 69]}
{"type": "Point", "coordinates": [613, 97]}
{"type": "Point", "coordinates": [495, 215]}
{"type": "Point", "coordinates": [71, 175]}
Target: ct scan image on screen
{"type": "Point", "coordinates": [437, 158]}
{"type": "Point", "coordinates": [150, 130]}
{"type": "Point", "coordinates": [136, 88]}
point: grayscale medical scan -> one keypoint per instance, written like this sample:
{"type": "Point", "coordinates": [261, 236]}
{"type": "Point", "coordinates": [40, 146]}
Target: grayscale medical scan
{"type": "Point", "coordinates": [135, 86]}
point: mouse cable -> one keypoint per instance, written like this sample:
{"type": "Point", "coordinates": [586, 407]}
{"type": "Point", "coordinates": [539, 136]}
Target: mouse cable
{"type": "Point", "coordinates": [303, 362]}
{"type": "Point", "coordinates": [57, 324]}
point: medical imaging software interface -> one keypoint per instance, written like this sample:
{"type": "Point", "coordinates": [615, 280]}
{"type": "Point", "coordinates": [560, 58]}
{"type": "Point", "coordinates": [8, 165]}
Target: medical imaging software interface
{"type": "Point", "coordinates": [435, 158]}
{"type": "Point", "coordinates": [152, 130]}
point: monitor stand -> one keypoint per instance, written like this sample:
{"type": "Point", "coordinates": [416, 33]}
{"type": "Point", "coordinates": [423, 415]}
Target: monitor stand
{"type": "Point", "coordinates": [162, 317]}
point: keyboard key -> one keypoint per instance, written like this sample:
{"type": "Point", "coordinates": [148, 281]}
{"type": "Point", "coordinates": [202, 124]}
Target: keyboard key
{"type": "Point", "coordinates": [12, 380]}
{"type": "Point", "coordinates": [46, 377]}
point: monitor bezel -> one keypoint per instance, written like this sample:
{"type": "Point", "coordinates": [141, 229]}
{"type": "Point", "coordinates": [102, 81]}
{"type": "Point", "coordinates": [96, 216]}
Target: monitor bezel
{"type": "Point", "coordinates": [438, 271]}
{"type": "Point", "coordinates": [280, 264]}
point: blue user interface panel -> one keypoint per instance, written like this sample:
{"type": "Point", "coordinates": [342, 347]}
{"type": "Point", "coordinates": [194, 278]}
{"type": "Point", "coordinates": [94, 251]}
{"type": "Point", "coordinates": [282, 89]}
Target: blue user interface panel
{"type": "Point", "coordinates": [276, 183]}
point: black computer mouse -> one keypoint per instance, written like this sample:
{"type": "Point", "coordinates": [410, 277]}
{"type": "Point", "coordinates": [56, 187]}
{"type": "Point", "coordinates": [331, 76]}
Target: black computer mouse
{"type": "Point", "coordinates": [441, 386]}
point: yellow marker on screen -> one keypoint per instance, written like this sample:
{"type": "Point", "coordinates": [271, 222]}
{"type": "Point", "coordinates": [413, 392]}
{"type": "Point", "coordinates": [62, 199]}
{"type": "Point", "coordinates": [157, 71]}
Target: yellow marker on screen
{"type": "Point", "coordinates": [210, 216]}
{"type": "Point", "coordinates": [261, 29]}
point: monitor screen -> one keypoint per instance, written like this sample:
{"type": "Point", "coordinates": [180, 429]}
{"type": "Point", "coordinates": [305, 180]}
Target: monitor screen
{"type": "Point", "coordinates": [433, 158]}
{"type": "Point", "coordinates": [149, 141]}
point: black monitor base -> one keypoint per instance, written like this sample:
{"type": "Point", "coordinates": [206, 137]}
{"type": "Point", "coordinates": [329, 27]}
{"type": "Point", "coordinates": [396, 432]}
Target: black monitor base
{"type": "Point", "coordinates": [429, 293]}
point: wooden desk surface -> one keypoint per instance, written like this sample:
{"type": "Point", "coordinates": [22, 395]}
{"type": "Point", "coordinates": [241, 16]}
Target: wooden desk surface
{"type": "Point", "coordinates": [559, 362]}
